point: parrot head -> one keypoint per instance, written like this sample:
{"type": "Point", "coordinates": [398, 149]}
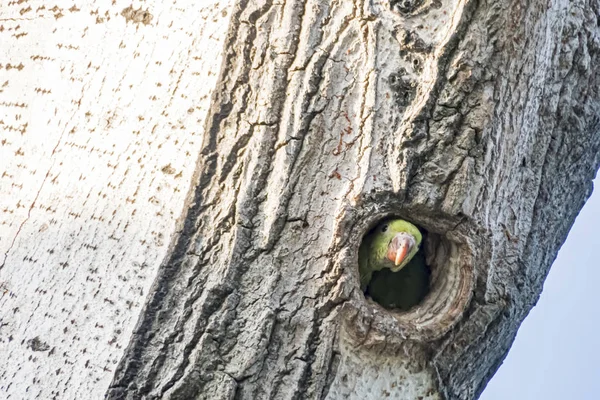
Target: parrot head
{"type": "Point", "coordinates": [396, 242]}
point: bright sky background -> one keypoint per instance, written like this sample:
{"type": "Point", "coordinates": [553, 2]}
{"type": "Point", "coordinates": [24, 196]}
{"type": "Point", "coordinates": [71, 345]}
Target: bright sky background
{"type": "Point", "coordinates": [556, 355]}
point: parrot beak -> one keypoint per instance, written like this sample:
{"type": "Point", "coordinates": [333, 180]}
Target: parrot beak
{"type": "Point", "coordinates": [399, 248]}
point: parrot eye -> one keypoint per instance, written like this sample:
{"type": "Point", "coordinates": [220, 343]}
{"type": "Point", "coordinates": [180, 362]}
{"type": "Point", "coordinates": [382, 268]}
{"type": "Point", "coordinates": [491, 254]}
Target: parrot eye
{"type": "Point", "coordinates": [384, 228]}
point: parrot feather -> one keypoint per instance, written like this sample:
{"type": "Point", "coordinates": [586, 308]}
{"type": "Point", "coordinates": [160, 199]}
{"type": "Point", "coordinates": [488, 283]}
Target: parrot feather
{"type": "Point", "coordinates": [392, 269]}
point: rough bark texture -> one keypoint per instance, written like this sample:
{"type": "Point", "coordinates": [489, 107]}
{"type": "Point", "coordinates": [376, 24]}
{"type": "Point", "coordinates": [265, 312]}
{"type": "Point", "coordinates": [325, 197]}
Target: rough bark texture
{"type": "Point", "coordinates": [477, 120]}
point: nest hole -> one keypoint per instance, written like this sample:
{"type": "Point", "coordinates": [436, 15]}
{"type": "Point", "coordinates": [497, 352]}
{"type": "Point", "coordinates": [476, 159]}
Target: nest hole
{"type": "Point", "coordinates": [428, 299]}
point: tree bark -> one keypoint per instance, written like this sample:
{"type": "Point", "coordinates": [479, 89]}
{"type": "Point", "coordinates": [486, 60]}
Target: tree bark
{"type": "Point", "coordinates": [101, 112]}
{"type": "Point", "coordinates": [476, 120]}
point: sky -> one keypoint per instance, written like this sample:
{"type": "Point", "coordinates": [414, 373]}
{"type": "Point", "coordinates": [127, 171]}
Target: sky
{"type": "Point", "coordinates": [556, 352]}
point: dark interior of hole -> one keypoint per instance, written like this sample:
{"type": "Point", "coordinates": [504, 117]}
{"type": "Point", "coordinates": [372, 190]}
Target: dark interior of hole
{"type": "Point", "coordinates": [403, 289]}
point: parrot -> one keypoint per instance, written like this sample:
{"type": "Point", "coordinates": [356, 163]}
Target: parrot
{"type": "Point", "coordinates": [392, 269]}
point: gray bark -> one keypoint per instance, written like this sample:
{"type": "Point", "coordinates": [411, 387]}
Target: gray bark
{"type": "Point", "coordinates": [476, 120]}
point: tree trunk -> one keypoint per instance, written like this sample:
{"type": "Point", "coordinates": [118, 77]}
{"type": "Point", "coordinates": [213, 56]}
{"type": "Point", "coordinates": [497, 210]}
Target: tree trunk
{"type": "Point", "coordinates": [477, 121]}
{"type": "Point", "coordinates": [101, 109]}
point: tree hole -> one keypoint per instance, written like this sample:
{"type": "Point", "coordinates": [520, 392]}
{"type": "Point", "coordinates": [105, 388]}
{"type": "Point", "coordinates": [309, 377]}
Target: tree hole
{"type": "Point", "coordinates": [402, 304]}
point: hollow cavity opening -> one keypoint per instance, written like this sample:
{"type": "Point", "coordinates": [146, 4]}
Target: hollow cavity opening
{"type": "Point", "coordinates": [432, 309]}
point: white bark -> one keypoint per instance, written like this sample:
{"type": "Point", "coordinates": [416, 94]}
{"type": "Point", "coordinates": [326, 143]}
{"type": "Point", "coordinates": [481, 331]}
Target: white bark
{"type": "Point", "coordinates": [476, 120]}
{"type": "Point", "coordinates": [101, 121]}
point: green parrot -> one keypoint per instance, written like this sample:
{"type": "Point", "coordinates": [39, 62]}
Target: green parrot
{"type": "Point", "coordinates": [392, 269]}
